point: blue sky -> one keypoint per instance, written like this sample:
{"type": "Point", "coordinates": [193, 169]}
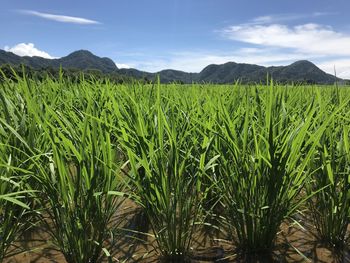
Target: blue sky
{"type": "Point", "coordinates": [182, 34]}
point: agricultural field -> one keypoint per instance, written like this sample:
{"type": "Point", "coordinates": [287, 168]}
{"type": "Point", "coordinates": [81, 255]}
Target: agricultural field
{"type": "Point", "coordinates": [100, 172]}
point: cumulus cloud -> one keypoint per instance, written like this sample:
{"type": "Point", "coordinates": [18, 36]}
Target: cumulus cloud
{"type": "Point", "coordinates": [265, 42]}
{"type": "Point", "coordinates": [341, 66]}
{"type": "Point", "coordinates": [322, 44]}
{"type": "Point", "coordinates": [27, 49]}
{"type": "Point", "coordinates": [61, 18]}
{"type": "Point", "coordinates": [311, 39]}
{"type": "Point", "coordinates": [121, 65]}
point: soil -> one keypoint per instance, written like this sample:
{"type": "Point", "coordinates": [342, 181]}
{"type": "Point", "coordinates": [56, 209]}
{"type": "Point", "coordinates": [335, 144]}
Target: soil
{"type": "Point", "coordinates": [293, 244]}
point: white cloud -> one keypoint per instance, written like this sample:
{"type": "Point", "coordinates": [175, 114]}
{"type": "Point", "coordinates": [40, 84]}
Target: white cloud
{"type": "Point", "coordinates": [61, 18]}
{"type": "Point", "coordinates": [342, 67]}
{"type": "Point", "coordinates": [318, 43]}
{"type": "Point", "coordinates": [268, 44]}
{"type": "Point", "coordinates": [121, 65]}
{"type": "Point", "coordinates": [27, 49]}
{"type": "Point", "coordinates": [317, 14]}
{"type": "Point", "coordinates": [311, 39]}
{"type": "Point", "coordinates": [277, 18]}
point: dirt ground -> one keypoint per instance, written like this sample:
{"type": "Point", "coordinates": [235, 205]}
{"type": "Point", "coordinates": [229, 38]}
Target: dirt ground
{"type": "Point", "coordinates": [293, 244]}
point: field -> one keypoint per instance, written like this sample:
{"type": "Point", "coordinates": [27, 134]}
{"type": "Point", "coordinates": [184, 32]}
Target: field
{"type": "Point", "coordinates": [98, 172]}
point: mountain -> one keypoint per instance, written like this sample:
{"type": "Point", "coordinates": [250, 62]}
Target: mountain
{"type": "Point", "coordinates": [166, 76]}
{"type": "Point", "coordinates": [81, 59]}
{"type": "Point", "coordinates": [231, 72]}
{"type": "Point", "coordinates": [84, 59]}
{"type": "Point", "coordinates": [300, 71]}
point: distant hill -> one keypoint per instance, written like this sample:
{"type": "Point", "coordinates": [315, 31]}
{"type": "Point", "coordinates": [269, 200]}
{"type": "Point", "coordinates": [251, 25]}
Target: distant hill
{"type": "Point", "coordinates": [300, 71]}
{"type": "Point", "coordinates": [84, 59]}
{"type": "Point", "coordinates": [231, 72]}
{"type": "Point", "coordinates": [81, 59]}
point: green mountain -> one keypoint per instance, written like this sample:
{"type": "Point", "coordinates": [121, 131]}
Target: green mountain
{"type": "Point", "coordinates": [84, 59]}
{"type": "Point", "coordinates": [300, 71]}
{"type": "Point", "coordinates": [231, 72]}
{"type": "Point", "coordinates": [81, 59]}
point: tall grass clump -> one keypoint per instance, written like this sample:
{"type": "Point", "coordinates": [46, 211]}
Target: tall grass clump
{"type": "Point", "coordinates": [14, 208]}
{"type": "Point", "coordinates": [17, 136]}
{"type": "Point", "coordinates": [78, 179]}
{"type": "Point", "coordinates": [330, 208]}
{"type": "Point", "coordinates": [265, 146]}
{"type": "Point", "coordinates": [166, 164]}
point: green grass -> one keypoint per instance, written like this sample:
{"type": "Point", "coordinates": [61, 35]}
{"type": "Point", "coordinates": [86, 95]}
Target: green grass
{"type": "Point", "coordinates": [250, 156]}
{"type": "Point", "coordinates": [330, 208]}
{"type": "Point", "coordinates": [266, 148]}
{"type": "Point", "coordinates": [167, 164]}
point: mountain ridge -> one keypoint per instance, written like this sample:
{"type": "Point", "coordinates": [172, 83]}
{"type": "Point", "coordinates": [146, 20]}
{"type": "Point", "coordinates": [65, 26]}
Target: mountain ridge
{"type": "Point", "coordinates": [80, 59]}
{"type": "Point", "coordinates": [229, 72]}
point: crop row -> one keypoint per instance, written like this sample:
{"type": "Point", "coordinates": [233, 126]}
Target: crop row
{"type": "Point", "coordinates": [239, 158]}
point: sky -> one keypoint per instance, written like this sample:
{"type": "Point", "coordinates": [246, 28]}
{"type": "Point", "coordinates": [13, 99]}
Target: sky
{"type": "Point", "coordinates": [186, 35]}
